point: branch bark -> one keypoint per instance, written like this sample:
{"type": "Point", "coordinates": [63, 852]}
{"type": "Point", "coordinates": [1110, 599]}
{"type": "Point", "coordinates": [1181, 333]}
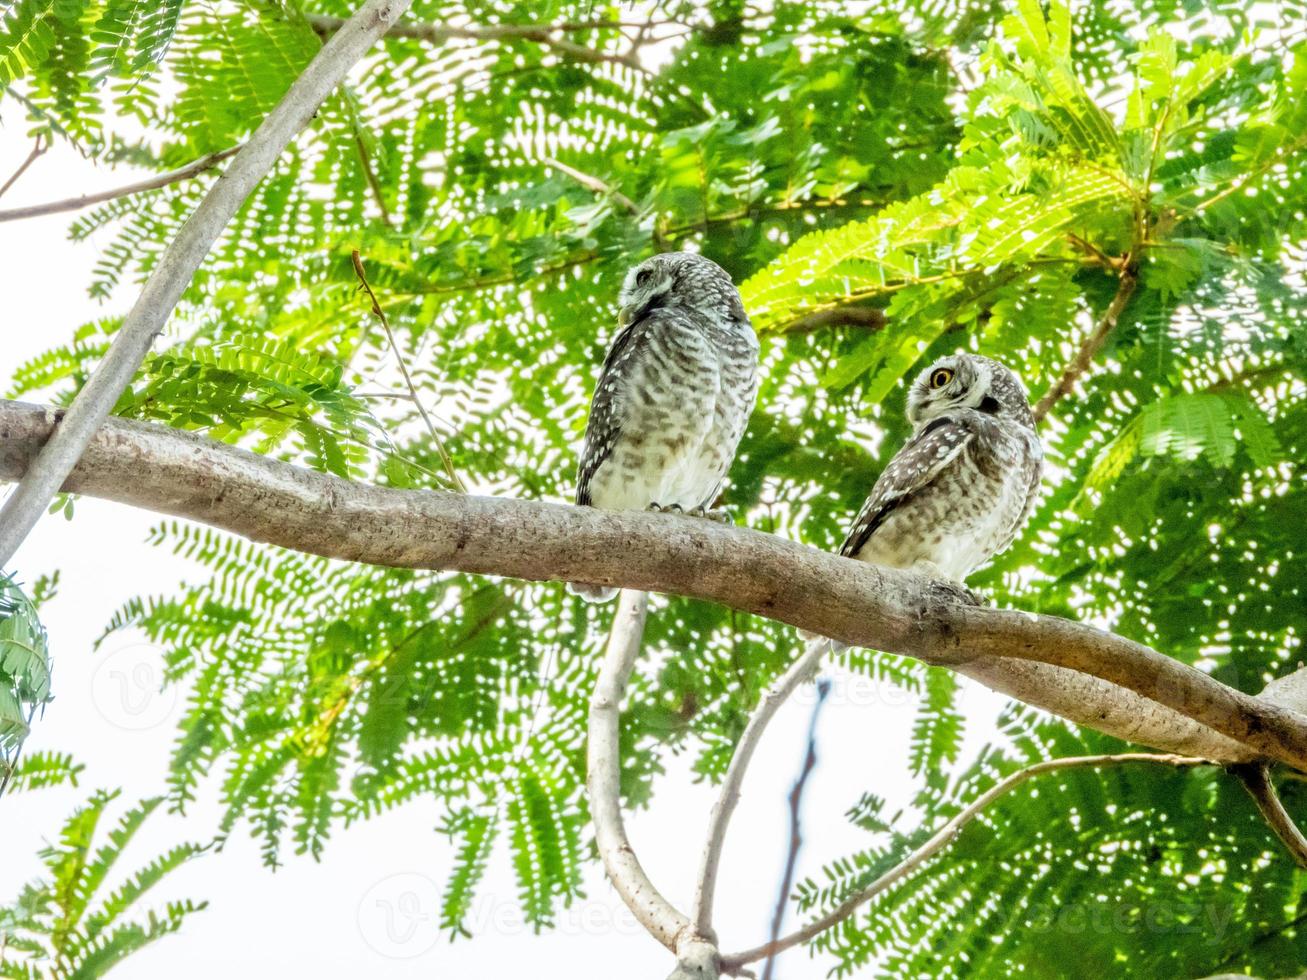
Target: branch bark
{"type": "Point", "coordinates": [942, 839]}
{"type": "Point", "coordinates": [192, 169]}
{"type": "Point", "coordinates": [183, 256]}
{"type": "Point", "coordinates": [603, 787]}
{"type": "Point", "coordinates": [1044, 657]}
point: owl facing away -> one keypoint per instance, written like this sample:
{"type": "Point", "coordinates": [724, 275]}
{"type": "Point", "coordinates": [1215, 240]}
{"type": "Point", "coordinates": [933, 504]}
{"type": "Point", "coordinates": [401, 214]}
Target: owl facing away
{"type": "Point", "coordinates": [674, 393]}
{"type": "Point", "coordinates": [961, 488]}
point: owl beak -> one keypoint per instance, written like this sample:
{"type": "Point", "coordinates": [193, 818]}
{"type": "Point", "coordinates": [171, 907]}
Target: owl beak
{"type": "Point", "coordinates": [625, 315]}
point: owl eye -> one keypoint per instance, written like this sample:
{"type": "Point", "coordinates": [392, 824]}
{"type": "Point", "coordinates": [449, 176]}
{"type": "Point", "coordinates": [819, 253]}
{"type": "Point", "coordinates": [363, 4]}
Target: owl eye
{"type": "Point", "coordinates": [642, 277]}
{"type": "Point", "coordinates": [940, 377]}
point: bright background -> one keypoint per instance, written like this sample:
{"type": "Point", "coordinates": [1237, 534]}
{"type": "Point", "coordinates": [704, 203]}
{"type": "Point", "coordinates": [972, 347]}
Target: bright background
{"type": "Point", "coordinates": [369, 908]}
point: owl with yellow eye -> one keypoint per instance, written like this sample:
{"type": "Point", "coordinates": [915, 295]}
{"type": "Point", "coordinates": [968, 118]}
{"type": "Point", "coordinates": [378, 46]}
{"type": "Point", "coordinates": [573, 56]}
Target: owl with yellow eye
{"type": "Point", "coordinates": [960, 489]}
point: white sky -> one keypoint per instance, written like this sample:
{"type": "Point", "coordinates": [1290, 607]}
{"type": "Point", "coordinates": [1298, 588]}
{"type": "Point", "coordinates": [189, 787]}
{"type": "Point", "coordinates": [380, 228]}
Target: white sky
{"type": "Point", "coordinates": [369, 907]}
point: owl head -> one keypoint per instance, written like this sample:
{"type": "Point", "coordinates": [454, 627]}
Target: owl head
{"type": "Point", "coordinates": [968, 381]}
{"type": "Point", "coordinates": [679, 279]}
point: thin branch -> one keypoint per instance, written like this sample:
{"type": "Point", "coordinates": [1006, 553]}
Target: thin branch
{"type": "Point", "coordinates": [942, 839]}
{"type": "Point", "coordinates": [729, 795]}
{"type": "Point", "coordinates": [403, 369]}
{"type": "Point", "coordinates": [192, 169]}
{"type": "Point", "coordinates": [1092, 345]}
{"type": "Point", "coordinates": [373, 185]}
{"type": "Point", "coordinates": [1256, 778]}
{"type": "Point", "coordinates": [542, 34]}
{"type": "Point", "coordinates": [604, 777]}
{"type": "Point", "coordinates": [868, 317]}
{"type": "Point", "coordinates": [38, 147]}
{"type": "Point", "coordinates": [173, 272]}
{"type": "Point", "coordinates": [796, 838]}
{"type": "Point", "coordinates": [1096, 678]}
{"type": "Point", "coordinates": [592, 183]}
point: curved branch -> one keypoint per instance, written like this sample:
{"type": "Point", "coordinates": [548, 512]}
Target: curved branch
{"type": "Point", "coordinates": [729, 795]}
{"type": "Point", "coordinates": [942, 839]}
{"type": "Point", "coordinates": [192, 169]}
{"type": "Point", "coordinates": [604, 779]}
{"type": "Point", "coordinates": [175, 268]}
{"type": "Point", "coordinates": [1124, 683]}
{"type": "Point", "coordinates": [1093, 343]}
{"type": "Point", "coordinates": [1256, 779]}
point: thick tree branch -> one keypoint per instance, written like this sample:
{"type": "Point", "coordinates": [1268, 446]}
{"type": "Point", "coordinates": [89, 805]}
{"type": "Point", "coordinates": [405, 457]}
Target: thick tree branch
{"type": "Point", "coordinates": [175, 268]}
{"type": "Point", "coordinates": [729, 795]}
{"type": "Point", "coordinates": [192, 169]}
{"type": "Point", "coordinates": [186, 475]}
{"type": "Point", "coordinates": [1256, 778]}
{"type": "Point", "coordinates": [942, 839]}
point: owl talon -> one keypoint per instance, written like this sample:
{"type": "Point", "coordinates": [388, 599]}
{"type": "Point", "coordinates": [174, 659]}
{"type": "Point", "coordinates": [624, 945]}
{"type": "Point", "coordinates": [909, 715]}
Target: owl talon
{"type": "Point", "coordinates": [955, 592]}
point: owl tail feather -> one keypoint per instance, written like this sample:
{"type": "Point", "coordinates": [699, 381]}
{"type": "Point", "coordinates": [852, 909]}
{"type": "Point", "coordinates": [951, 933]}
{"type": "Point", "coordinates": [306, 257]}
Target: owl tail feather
{"type": "Point", "coordinates": [591, 593]}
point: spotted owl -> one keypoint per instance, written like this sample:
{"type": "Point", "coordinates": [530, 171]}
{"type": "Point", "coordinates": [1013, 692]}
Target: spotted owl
{"type": "Point", "coordinates": [673, 396]}
{"type": "Point", "coordinates": [961, 488]}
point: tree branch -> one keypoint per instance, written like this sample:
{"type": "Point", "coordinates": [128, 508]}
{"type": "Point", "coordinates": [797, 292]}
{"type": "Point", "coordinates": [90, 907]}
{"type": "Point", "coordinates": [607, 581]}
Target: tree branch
{"type": "Point", "coordinates": [604, 778]}
{"type": "Point", "coordinates": [942, 839]}
{"type": "Point", "coordinates": [729, 795]}
{"type": "Point", "coordinates": [1256, 779]}
{"type": "Point", "coordinates": [838, 316]}
{"type": "Point", "coordinates": [796, 837]}
{"type": "Point", "coordinates": [189, 476]}
{"type": "Point", "coordinates": [541, 34]}
{"type": "Point", "coordinates": [591, 183]}
{"type": "Point", "coordinates": [38, 147]}
{"type": "Point", "coordinates": [190, 170]}
{"type": "Point", "coordinates": [380, 314]}
{"type": "Point", "coordinates": [175, 268]}
{"type": "Point", "coordinates": [1093, 343]}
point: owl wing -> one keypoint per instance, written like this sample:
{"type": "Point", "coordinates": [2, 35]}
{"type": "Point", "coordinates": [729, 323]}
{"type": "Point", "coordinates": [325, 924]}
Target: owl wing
{"type": "Point", "coordinates": [604, 424]}
{"type": "Point", "coordinates": [913, 467]}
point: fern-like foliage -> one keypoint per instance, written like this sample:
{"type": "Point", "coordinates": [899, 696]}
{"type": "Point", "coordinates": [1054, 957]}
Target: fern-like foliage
{"type": "Point", "coordinates": [979, 174]}
{"type": "Point", "coordinates": [70, 923]}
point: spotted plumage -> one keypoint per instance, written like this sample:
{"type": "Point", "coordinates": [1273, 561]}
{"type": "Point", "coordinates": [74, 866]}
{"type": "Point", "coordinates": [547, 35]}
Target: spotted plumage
{"type": "Point", "coordinates": [961, 488]}
{"type": "Point", "coordinates": [674, 393]}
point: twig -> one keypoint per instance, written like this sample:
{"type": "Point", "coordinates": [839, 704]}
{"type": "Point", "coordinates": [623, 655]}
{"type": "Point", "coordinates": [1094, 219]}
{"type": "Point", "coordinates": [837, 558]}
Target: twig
{"type": "Point", "coordinates": [729, 796]}
{"type": "Point", "coordinates": [173, 272]}
{"type": "Point", "coordinates": [1092, 345]}
{"type": "Point", "coordinates": [373, 185]}
{"type": "Point", "coordinates": [1256, 780]}
{"type": "Point", "coordinates": [38, 147]}
{"type": "Point", "coordinates": [941, 840]}
{"type": "Point", "coordinates": [604, 777]}
{"type": "Point", "coordinates": [591, 183]}
{"type": "Point", "coordinates": [796, 838]}
{"type": "Point", "coordinates": [403, 369]}
{"type": "Point", "coordinates": [192, 169]}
